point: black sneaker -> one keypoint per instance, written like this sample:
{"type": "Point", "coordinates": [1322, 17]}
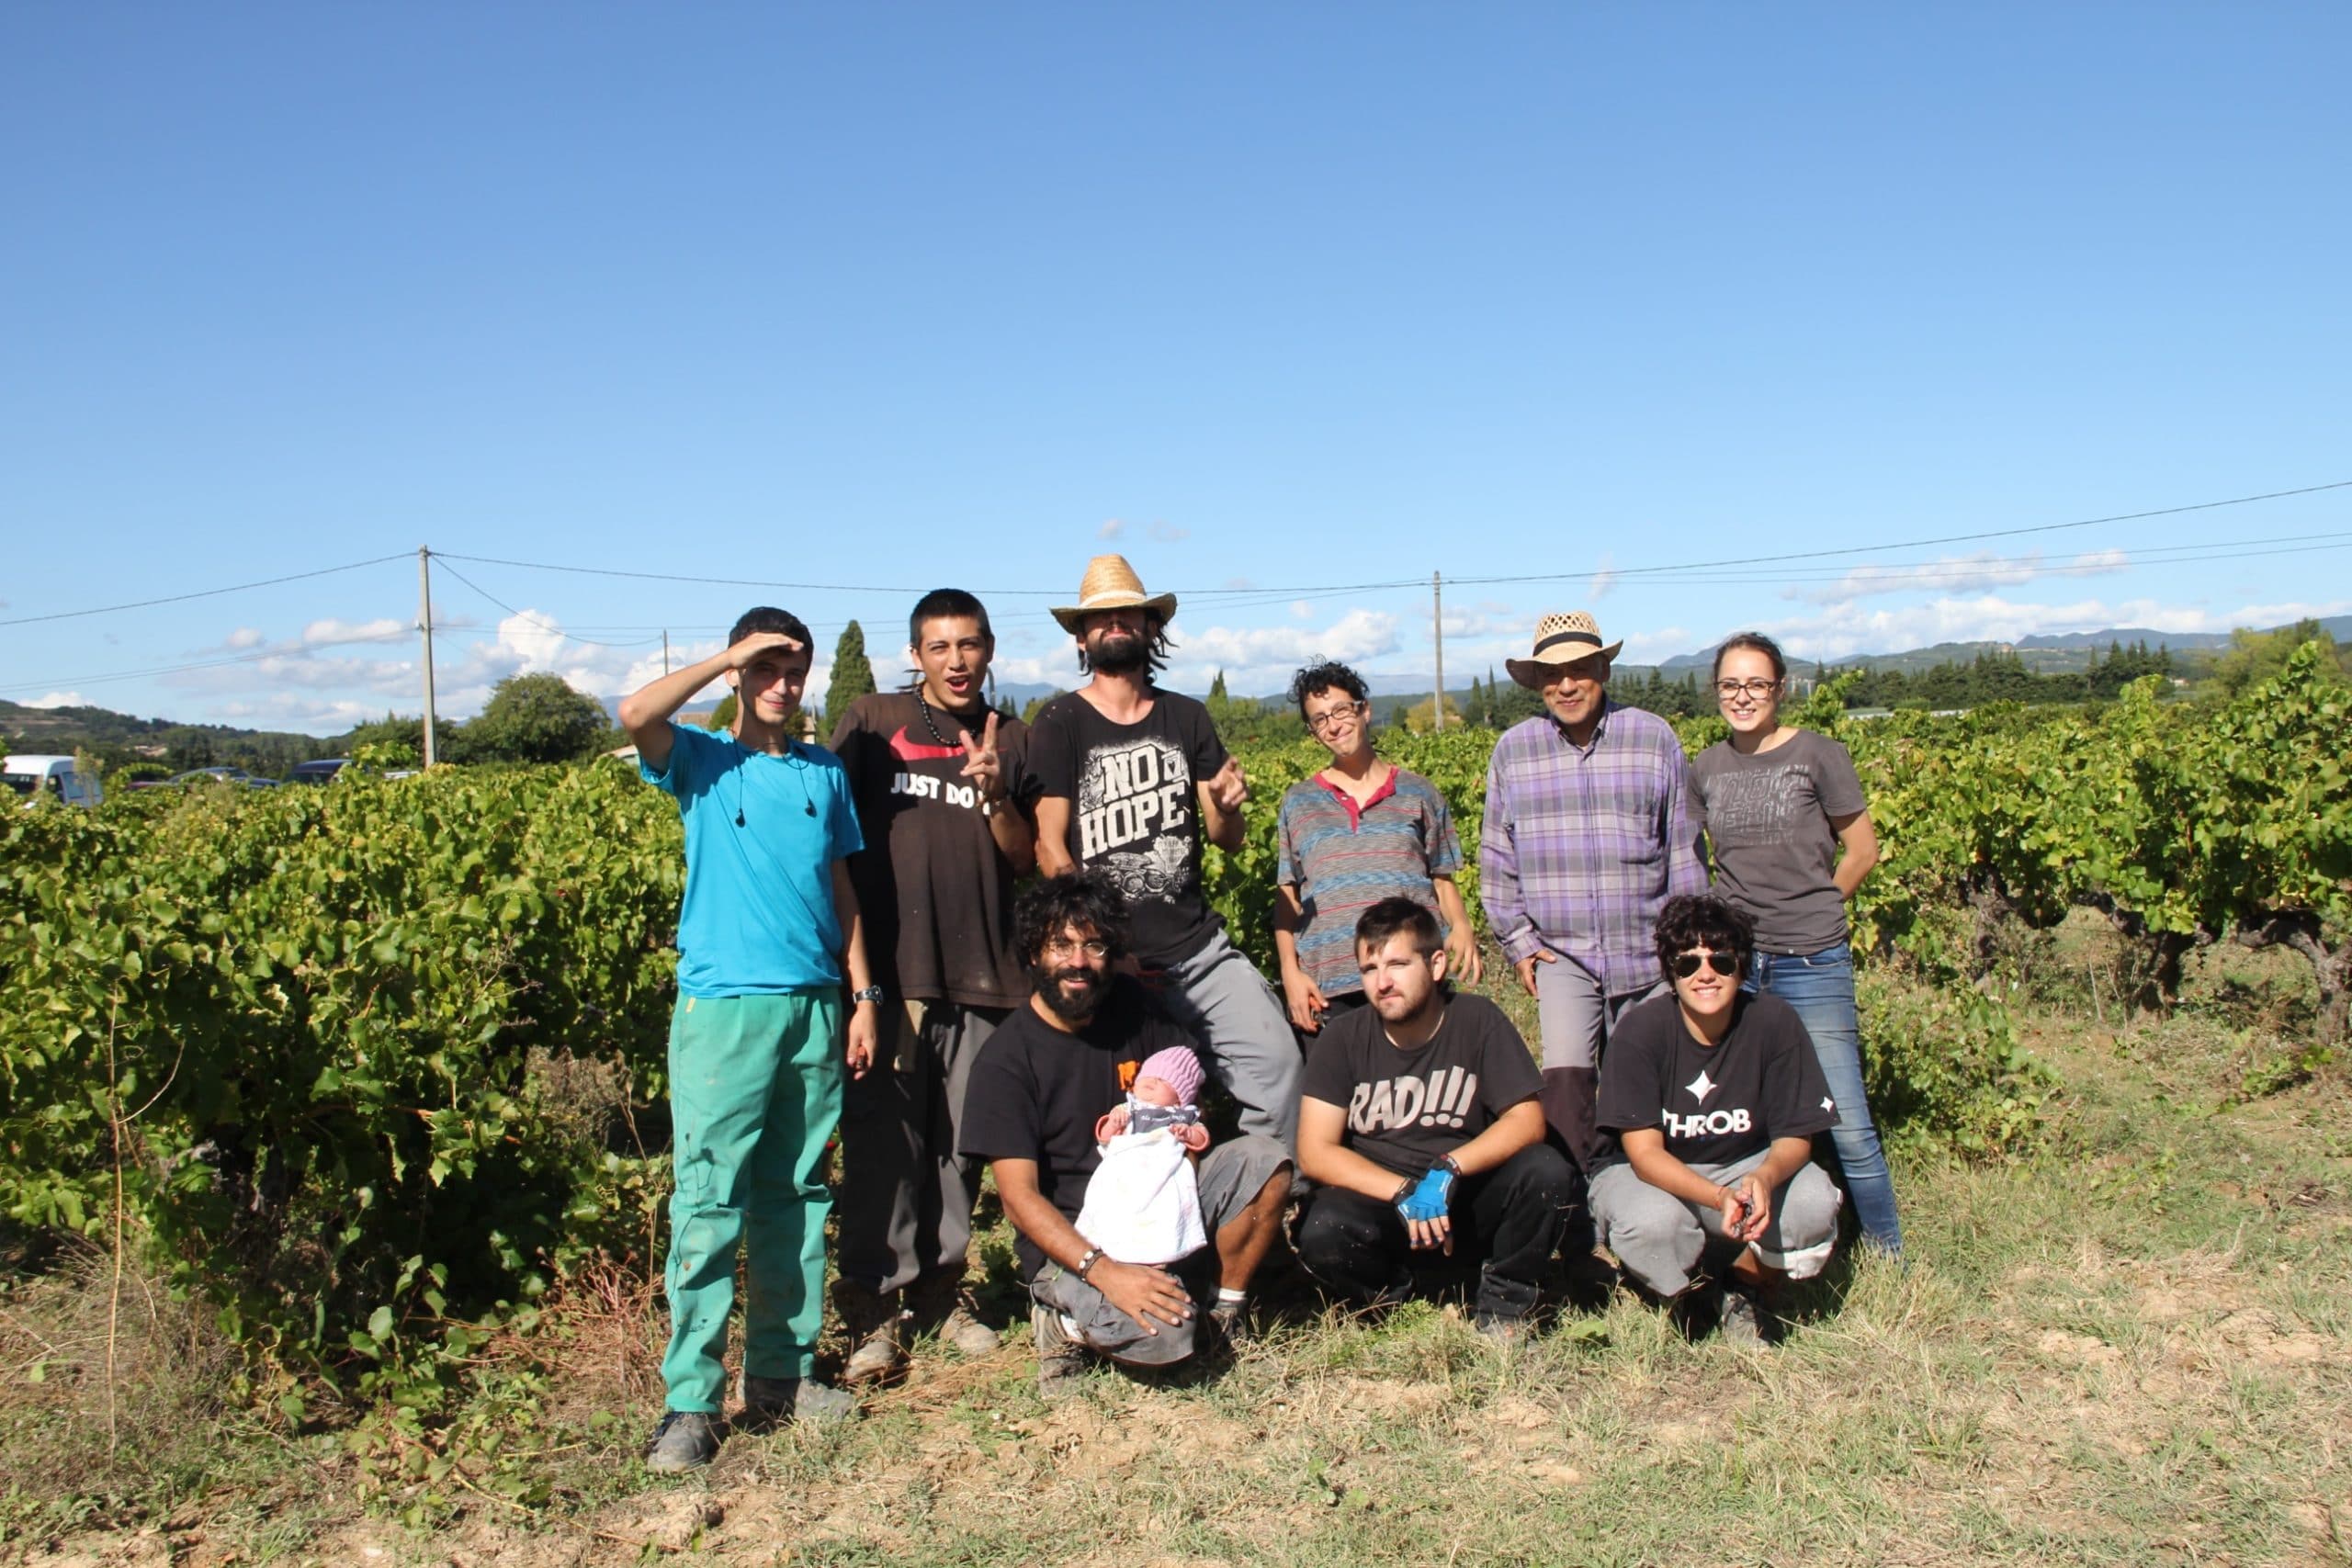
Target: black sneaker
{"type": "Point", "coordinates": [687, 1440]}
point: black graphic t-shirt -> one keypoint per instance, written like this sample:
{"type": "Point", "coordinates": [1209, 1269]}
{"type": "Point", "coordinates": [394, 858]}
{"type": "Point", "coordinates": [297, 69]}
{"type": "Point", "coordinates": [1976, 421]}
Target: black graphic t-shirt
{"type": "Point", "coordinates": [1769, 833]}
{"type": "Point", "coordinates": [1407, 1108]}
{"type": "Point", "coordinates": [1035, 1093]}
{"type": "Point", "coordinates": [1718, 1103]}
{"type": "Point", "coordinates": [1134, 809]}
{"type": "Point", "coordinates": [934, 891]}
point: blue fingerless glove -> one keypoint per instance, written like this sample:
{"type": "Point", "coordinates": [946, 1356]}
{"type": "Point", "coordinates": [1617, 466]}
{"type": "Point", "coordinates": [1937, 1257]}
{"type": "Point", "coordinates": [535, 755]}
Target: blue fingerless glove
{"type": "Point", "coordinates": [1428, 1199]}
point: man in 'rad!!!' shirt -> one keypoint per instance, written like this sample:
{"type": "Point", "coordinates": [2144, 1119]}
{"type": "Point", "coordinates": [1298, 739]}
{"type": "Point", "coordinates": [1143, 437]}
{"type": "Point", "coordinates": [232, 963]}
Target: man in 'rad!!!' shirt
{"type": "Point", "coordinates": [1131, 778]}
{"type": "Point", "coordinates": [1715, 1095]}
{"type": "Point", "coordinates": [1422, 1126]}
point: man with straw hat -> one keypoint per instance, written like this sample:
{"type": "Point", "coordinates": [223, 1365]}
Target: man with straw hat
{"type": "Point", "coordinates": [1589, 831]}
{"type": "Point", "coordinates": [1133, 779]}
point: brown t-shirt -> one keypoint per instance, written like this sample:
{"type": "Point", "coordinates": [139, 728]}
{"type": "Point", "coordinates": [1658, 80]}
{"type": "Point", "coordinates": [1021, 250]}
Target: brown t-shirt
{"type": "Point", "coordinates": [935, 890]}
{"type": "Point", "coordinates": [1768, 830]}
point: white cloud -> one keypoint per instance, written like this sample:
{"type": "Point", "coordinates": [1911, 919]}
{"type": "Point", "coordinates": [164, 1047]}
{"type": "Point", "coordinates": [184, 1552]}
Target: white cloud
{"type": "Point", "coordinates": [244, 637]}
{"type": "Point", "coordinates": [1845, 630]}
{"type": "Point", "coordinates": [1111, 529]}
{"type": "Point", "coordinates": [1302, 610]}
{"type": "Point", "coordinates": [60, 700]}
{"type": "Point", "coordinates": [1263, 657]}
{"type": "Point", "coordinates": [1169, 534]}
{"type": "Point", "coordinates": [331, 633]}
{"type": "Point", "coordinates": [1602, 581]}
{"type": "Point", "coordinates": [1956, 574]}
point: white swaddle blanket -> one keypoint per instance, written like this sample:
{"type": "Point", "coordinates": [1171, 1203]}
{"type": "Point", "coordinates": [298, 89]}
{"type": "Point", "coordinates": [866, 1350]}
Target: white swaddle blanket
{"type": "Point", "coordinates": [1143, 1203]}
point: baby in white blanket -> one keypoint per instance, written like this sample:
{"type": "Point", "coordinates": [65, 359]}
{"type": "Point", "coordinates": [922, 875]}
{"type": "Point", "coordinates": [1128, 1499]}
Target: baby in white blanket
{"type": "Point", "coordinates": [1143, 1204]}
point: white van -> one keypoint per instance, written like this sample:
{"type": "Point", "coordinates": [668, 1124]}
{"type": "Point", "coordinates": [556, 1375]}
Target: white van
{"type": "Point", "coordinates": [28, 775]}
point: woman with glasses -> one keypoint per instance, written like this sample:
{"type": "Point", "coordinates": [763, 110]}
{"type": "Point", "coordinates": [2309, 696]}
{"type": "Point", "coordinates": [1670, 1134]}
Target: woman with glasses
{"type": "Point", "coordinates": [1791, 836]}
{"type": "Point", "coordinates": [1707, 1193]}
{"type": "Point", "coordinates": [1359, 831]}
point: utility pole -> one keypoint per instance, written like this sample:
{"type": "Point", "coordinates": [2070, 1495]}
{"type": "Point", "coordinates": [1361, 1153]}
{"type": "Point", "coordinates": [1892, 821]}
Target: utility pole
{"type": "Point", "coordinates": [425, 626]}
{"type": "Point", "coordinates": [1437, 631]}
{"type": "Point", "coordinates": [665, 651]}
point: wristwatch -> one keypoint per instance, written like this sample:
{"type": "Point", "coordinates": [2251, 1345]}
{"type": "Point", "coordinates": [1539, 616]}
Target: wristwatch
{"type": "Point", "coordinates": [870, 994]}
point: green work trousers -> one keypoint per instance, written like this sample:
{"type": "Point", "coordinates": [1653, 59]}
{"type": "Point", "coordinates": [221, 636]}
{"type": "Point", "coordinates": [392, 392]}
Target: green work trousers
{"type": "Point", "coordinates": [756, 1090]}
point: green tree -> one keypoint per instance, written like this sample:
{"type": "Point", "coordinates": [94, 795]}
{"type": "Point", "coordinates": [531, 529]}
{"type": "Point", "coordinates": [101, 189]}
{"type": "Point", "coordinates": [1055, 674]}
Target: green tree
{"type": "Point", "coordinates": [2256, 657]}
{"type": "Point", "coordinates": [535, 718]}
{"type": "Point", "coordinates": [722, 718]}
{"type": "Point", "coordinates": [853, 674]}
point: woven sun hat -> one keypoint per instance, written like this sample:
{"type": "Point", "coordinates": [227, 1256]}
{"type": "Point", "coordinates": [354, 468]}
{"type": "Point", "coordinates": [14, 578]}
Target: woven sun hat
{"type": "Point", "coordinates": [1560, 639]}
{"type": "Point", "coordinates": [1111, 584]}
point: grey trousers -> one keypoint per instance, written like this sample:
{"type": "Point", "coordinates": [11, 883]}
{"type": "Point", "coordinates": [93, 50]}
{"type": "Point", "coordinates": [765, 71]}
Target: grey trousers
{"type": "Point", "coordinates": [1231, 1175]}
{"type": "Point", "coordinates": [1659, 1237]}
{"type": "Point", "coordinates": [904, 1206]}
{"type": "Point", "coordinates": [1218, 994]}
{"type": "Point", "coordinates": [1575, 1019]}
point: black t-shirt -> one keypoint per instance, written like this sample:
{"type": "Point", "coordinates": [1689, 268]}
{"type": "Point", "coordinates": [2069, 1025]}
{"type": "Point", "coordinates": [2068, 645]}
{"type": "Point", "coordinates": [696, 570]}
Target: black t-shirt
{"type": "Point", "coordinates": [935, 890]}
{"type": "Point", "coordinates": [1408, 1108]}
{"type": "Point", "coordinates": [1035, 1093]}
{"type": "Point", "coordinates": [1134, 809]}
{"type": "Point", "coordinates": [1718, 1103]}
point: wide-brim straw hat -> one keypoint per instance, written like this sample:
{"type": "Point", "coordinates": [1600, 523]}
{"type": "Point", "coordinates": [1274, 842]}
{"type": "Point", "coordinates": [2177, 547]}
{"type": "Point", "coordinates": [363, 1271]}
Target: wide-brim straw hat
{"type": "Point", "coordinates": [1560, 639]}
{"type": "Point", "coordinates": [1111, 584]}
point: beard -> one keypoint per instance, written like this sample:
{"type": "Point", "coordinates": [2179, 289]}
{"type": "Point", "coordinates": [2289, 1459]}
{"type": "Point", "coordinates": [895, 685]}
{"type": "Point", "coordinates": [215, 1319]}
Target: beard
{"type": "Point", "coordinates": [1072, 1006]}
{"type": "Point", "coordinates": [1119, 653]}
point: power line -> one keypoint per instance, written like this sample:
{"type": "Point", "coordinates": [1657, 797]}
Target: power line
{"type": "Point", "coordinates": [524, 614]}
{"type": "Point", "coordinates": [201, 592]}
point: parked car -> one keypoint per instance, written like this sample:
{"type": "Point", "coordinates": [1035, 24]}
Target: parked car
{"type": "Point", "coordinates": [318, 773]}
{"type": "Point", "coordinates": [220, 775]}
{"type": "Point", "coordinates": [29, 775]}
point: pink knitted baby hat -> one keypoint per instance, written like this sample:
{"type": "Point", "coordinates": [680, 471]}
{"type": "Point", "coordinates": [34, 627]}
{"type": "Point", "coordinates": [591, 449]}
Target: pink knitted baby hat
{"type": "Point", "coordinates": [1177, 1068]}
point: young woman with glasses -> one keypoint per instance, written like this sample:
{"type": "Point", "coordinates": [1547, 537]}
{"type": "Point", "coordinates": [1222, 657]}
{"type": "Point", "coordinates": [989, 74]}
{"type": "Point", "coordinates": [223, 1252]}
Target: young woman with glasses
{"type": "Point", "coordinates": [1790, 838]}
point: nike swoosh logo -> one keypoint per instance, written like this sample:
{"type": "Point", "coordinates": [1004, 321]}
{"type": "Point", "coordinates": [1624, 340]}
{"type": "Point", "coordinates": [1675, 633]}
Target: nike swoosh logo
{"type": "Point", "coordinates": [908, 750]}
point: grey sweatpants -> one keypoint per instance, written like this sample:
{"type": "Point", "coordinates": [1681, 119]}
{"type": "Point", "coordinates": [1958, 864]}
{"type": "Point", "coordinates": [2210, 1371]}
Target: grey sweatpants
{"type": "Point", "coordinates": [1659, 1237]}
{"type": "Point", "coordinates": [905, 1200]}
{"type": "Point", "coordinates": [1231, 1176]}
{"type": "Point", "coordinates": [1218, 994]}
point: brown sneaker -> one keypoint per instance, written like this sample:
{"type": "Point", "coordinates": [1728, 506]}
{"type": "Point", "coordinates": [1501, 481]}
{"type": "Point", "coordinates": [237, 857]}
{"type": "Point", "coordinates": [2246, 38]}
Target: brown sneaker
{"type": "Point", "coordinates": [941, 1301]}
{"type": "Point", "coordinates": [1061, 1359]}
{"type": "Point", "coordinates": [876, 1325]}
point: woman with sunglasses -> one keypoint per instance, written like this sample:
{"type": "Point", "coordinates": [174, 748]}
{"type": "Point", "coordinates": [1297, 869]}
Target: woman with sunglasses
{"type": "Point", "coordinates": [1714, 1095]}
{"type": "Point", "coordinates": [1791, 836]}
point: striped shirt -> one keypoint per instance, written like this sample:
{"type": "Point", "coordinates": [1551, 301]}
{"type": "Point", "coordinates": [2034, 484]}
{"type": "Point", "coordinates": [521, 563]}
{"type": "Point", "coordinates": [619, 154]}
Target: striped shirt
{"type": "Point", "coordinates": [1344, 858]}
{"type": "Point", "coordinates": [1583, 845]}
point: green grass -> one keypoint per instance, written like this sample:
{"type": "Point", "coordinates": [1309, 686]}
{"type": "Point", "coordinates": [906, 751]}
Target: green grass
{"type": "Point", "coordinates": [2132, 1345]}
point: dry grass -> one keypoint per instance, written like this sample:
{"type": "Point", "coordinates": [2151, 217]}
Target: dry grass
{"type": "Point", "coordinates": [2135, 1348]}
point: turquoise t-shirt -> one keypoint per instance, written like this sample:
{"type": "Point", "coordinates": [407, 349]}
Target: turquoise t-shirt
{"type": "Point", "coordinates": [762, 835]}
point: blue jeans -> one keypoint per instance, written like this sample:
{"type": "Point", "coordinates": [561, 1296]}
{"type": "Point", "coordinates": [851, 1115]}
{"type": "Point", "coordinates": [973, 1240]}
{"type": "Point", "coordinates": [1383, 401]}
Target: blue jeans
{"type": "Point", "coordinates": [1820, 987]}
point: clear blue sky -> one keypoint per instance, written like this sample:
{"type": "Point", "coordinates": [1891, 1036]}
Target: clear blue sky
{"type": "Point", "coordinates": [1275, 299]}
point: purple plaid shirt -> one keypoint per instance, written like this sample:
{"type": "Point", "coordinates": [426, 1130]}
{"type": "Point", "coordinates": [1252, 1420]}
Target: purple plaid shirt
{"type": "Point", "coordinates": [1583, 846]}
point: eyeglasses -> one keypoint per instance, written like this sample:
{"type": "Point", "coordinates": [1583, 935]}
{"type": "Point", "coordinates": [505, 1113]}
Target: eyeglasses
{"type": "Point", "coordinates": [1727, 689]}
{"type": "Point", "coordinates": [1687, 963]}
{"type": "Point", "coordinates": [1063, 947]}
{"type": "Point", "coordinates": [1324, 723]}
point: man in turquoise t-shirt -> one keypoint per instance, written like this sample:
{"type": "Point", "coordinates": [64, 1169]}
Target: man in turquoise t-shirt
{"type": "Point", "coordinates": [755, 1077]}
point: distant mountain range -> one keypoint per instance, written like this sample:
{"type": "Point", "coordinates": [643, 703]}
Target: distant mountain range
{"type": "Point", "coordinates": [62, 728]}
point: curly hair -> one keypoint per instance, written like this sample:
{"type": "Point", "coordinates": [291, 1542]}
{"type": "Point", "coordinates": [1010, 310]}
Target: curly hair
{"type": "Point", "coordinates": [1085, 900]}
{"type": "Point", "coordinates": [1318, 679]}
{"type": "Point", "coordinates": [1701, 919]}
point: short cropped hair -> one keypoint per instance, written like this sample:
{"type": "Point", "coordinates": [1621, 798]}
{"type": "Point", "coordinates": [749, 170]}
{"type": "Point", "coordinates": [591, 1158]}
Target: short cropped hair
{"type": "Point", "coordinates": [1391, 917]}
{"type": "Point", "coordinates": [768, 618]}
{"type": "Point", "coordinates": [1701, 919]}
{"type": "Point", "coordinates": [1318, 679]}
{"type": "Point", "coordinates": [1088, 900]}
{"type": "Point", "coordinates": [1756, 642]}
{"type": "Point", "coordinates": [947, 605]}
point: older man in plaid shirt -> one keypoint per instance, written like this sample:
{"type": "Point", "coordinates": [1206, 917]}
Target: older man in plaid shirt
{"type": "Point", "coordinates": [1589, 831]}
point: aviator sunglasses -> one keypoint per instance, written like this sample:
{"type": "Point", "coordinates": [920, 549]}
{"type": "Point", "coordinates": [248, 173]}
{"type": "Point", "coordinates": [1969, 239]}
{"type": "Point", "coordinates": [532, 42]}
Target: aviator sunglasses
{"type": "Point", "coordinates": [1687, 963]}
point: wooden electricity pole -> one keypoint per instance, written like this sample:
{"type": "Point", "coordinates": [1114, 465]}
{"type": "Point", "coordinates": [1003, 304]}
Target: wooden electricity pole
{"type": "Point", "coordinates": [425, 626]}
